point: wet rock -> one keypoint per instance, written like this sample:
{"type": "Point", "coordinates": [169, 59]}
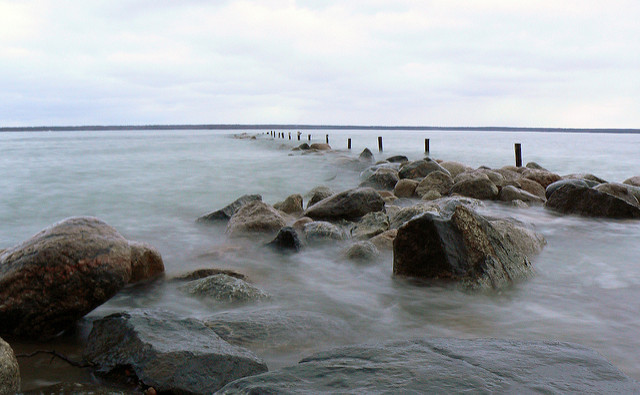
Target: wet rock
{"type": "Point", "coordinates": [320, 147]}
{"type": "Point", "coordinates": [495, 177]}
{"type": "Point", "coordinates": [477, 188]}
{"type": "Point", "coordinates": [302, 147]}
{"type": "Point", "coordinates": [168, 353]}
{"type": "Point", "coordinates": [532, 187]}
{"type": "Point", "coordinates": [591, 179]}
{"type": "Point", "coordinates": [300, 223]}
{"type": "Point", "coordinates": [9, 370]}
{"type": "Point", "coordinates": [435, 181]}
{"type": "Point", "coordinates": [556, 185]}
{"type": "Point", "coordinates": [445, 366]}
{"type": "Point", "coordinates": [146, 262]}
{"type": "Point", "coordinates": [542, 177]}
{"type": "Point", "coordinates": [56, 277]}
{"type": "Point", "coordinates": [431, 195]}
{"type": "Point", "coordinates": [534, 165]}
{"type": "Point", "coordinates": [509, 193]}
{"type": "Point", "coordinates": [76, 389]}
{"type": "Point", "coordinates": [406, 213]}
{"type": "Point", "coordinates": [454, 168]}
{"type": "Point", "coordinates": [362, 251]}
{"type": "Point", "coordinates": [382, 178]}
{"type": "Point", "coordinates": [255, 217]}
{"type": "Point", "coordinates": [384, 241]}
{"type": "Point", "coordinates": [317, 194]}
{"type": "Point", "coordinates": [286, 240]}
{"type": "Point", "coordinates": [227, 212]}
{"type": "Point", "coordinates": [398, 159]}
{"type": "Point", "coordinates": [291, 205]}
{"type": "Point", "coordinates": [625, 192]}
{"type": "Point", "coordinates": [470, 175]}
{"type": "Point", "coordinates": [575, 199]}
{"type": "Point", "coordinates": [635, 181]}
{"type": "Point", "coordinates": [370, 225]}
{"type": "Point", "coordinates": [420, 168]}
{"type": "Point", "coordinates": [206, 272]}
{"type": "Point", "coordinates": [224, 288]}
{"type": "Point", "coordinates": [322, 231]}
{"type": "Point", "coordinates": [405, 188]}
{"type": "Point", "coordinates": [366, 156]}
{"type": "Point", "coordinates": [511, 176]}
{"type": "Point", "coordinates": [351, 204]}
{"type": "Point", "coordinates": [524, 238]}
{"type": "Point", "coordinates": [463, 247]}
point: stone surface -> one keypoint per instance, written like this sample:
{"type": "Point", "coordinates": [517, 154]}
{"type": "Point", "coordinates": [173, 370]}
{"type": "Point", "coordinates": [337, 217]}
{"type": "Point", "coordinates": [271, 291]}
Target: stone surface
{"type": "Point", "coordinates": [463, 247]}
{"type": "Point", "coordinates": [534, 165]}
{"type": "Point", "coordinates": [405, 188]}
{"type": "Point", "coordinates": [366, 156]}
{"type": "Point", "coordinates": [384, 241]}
{"type": "Point", "coordinates": [454, 168]}
{"type": "Point", "coordinates": [56, 277]}
{"type": "Point", "coordinates": [168, 353]}
{"type": "Point", "coordinates": [255, 217]}
{"type": "Point", "coordinates": [291, 205]}
{"type": "Point", "coordinates": [622, 191]}
{"type": "Point", "coordinates": [542, 177]}
{"type": "Point", "coordinates": [206, 272]}
{"type": "Point", "coordinates": [435, 181]}
{"type": "Point", "coordinates": [591, 179]}
{"type": "Point", "coordinates": [227, 212]}
{"type": "Point", "coordinates": [351, 204]}
{"type": "Point", "coordinates": [300, 223]}
{"type": "Point", "coordinates": [224, 288]}
{"type": "Point", "coordinates": [9, 370]}
{"type": "Point", "coordinates": [556, 185]}
{"type": "Point", "coordinates": [322, 231]}
{"type": "Point", "coordinates": [524, 238]}
{"type": "Point", "coordinates": [320, 147]}
{"type": "Point", "coordinates": [532, 187]}
{"type": "Point", "coordinates": [580, 200]}
{"type": "Point", "coordinates": [403, 215]}
{"type": "Point", "coordinates": [286, 240]}
{"type": "Point", "coordinates": [509, 193]}
{"type": "Point", "coordinates": [420, 168]}
{"type": "Point", "coordinates": [370, 225]}
{"type": "Point", "coordinates": [77, 389]}
{"type": "Point", "coordinates": [477, 188]}
{"type": "Point", "coordinates": [362, 251]}
{"type": "Point", "coordinates": [635, 181]}
{"type": "Point", "coordinates": [382, 178]}
{"type": "Point", "coordinates": [317, 194]}
{"type": "Point", "coordinates": [398, 159]}
{"type": "Point", "coordinates": [146, 262]}
{"type": "Point", "coordinates": [470, 175]}
{"type": "Point", "coordinates": [446, 366]}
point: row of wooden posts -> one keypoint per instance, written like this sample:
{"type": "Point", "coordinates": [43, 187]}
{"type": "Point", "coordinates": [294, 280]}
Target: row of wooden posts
{"type": "Point", "coordinates": [281, 135]}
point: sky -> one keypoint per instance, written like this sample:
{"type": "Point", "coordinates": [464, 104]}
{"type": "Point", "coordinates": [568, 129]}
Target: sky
{"type": "Point", "coordinates": [539, 63]}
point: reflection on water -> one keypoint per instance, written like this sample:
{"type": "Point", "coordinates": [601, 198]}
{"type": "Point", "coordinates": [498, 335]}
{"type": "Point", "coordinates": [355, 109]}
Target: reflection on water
{"type": "Point", "coordinates": [152, 186]}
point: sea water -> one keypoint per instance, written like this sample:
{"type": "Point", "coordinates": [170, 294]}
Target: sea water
{"type": "Point", "coordinates": [152, 185]}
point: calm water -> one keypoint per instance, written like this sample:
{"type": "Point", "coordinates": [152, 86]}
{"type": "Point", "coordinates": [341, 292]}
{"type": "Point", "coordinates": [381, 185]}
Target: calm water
{"type": "Point", "coordinates": [152, 185]}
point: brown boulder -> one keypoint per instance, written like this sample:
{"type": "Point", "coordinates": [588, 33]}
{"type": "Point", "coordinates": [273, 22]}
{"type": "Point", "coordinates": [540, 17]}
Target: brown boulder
{"type": "Point", "coordinates": [146, 262]}
{"type": "Point", "coordinates": [255, 217]}
{"type": "Point", "coordinates": [405, 188]}
{"type": "Point", "coordinates": [350, 204]}
{"type": "Point", "coordinates": [291, 205]}
{"type": "Point", "coordinates": [542, 177]}
{"type": "Point", "coordinates": [581, 200]}
{"type": "Point", "coordinates": [635, 181]}
{"type": "Point", "coordinates": [435, 181]}
{"type": "Point", "coordinates": [477, 188]}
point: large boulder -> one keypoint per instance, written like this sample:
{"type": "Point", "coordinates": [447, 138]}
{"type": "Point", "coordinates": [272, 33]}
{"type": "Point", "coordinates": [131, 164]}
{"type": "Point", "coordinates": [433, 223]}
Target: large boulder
{"type": "Point", "coordinates": [351, 204]}
{"type": "Point", "coordinates": [62, 273]}
{"type": "Point", "coordinates": [478, 188]}
{"type": "Point", "coordinates": [420, 168]}
{"type": "Point", "coordinates": [383, 178]}
{"type": "Point", "coordinates": [463, 247]}
{"type": "Point", "coordinates": [551, 188]}
{"type": "Point", "coordinates": [588, 202]}
{"type": "Point", "coordinates": [435, 181]}
{"type": "Point", "coordinates": [255, 217]}
{"type": "Point", "coordinates": [224, 288]}
{"type": "Point", "coordinates": [227, 212]}
{"type": "Point", "coordinates": [628, 193]}
{"type": "Point", "coordinates": [9, 370]}
{"type": "Point", "coordinates": [370, 225]}
{"type": "Point", "coordinates": [168, 353]}
{"type": "Point", "coordinates": [446, 366]}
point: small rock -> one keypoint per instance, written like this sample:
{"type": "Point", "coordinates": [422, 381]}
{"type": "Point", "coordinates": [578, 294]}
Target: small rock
{"type": "Point", "coordinates": [322, 231]}
{"type": "Point", "coordinates": [320, 147]}
{"type": "Point", "coordinates": [382, 178]}
{"type": "Point", "coordinates": [362, 251]}
{"type": "Point", "coordinates": [405, 188]}
{"type": "Point", "coordinates": [255, 217]}
{"type": "Point", "coordinates": [478, 188]}
{"type": "Point", "coordinates": [366, 155]}
{"type": "Point", "coordinates": [509, 193]}
{"type": "Point", "coordinates": [534, 165]}
{"type": "Point", "coordinates": [146, 262]}
{"type": "Point", "coordinates": [227, 212]}
{"type": "Point", "coordinates": [420, 168]}
{"type": "Point", "coordinates": [431, 195]}
{"type": "Point", "coordinates": [454, 168]}
{"type": "Point", "coordinates": [317, 194]}
{"type": "Point", "coordinates": [224, 288]}
{"type": "Point", "coordinates": [398, 159]}
{"type": "Point", "coordinates": [384, 241]}
{"type": "Point", "coordinates": [370, 225]}
{"type": "Point", "coordinates": [9, 370]}
{"type": "Point", "coordinates": [291, 205]}
{"type": "Point", "coordinates": [286, 240]}
{"type": "Point", "coordinates": [435, 181]}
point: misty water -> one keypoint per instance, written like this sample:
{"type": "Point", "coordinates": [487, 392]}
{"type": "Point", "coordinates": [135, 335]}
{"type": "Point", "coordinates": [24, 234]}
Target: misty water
{"type": "Point", "coordinates": [152, 185]}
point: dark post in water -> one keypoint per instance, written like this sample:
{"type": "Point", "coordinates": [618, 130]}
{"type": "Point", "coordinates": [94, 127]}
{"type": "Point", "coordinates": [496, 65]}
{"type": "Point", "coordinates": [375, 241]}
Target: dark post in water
{"type": "Point", "coordinates": [518, 149]}
{"type": "Point", "coordinates": [327, 139]}
{"type": "Point", "coordinates": [299, 135]}
{"type": "Point", "coordinates": [380, 143]}
{"type": "Point", "coordinates": [426, 146]}
{"type": "Point", "coordinates": [309, 136]}
{"type": "Point", "coordinates": [289, 135]}
{"type": "Point", "coordinates": [349, 143]}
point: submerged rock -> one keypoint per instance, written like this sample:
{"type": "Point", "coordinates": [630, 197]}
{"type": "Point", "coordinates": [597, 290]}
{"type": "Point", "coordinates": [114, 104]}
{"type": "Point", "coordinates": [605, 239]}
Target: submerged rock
{"type": "Point", "coordinates": [420, 168]}
{"type": "Point", "coordinates": [291, 205]}
{"type": "Point", "coordinates": [206, 272]}
{"type": "Point", "coordinates": [405, 188]}
{"type": "Point", "coordinates": [370, 225]}
{"type": "Point", "coordinates": [320, 147]}
{"type": "Point", "coordinates": [366, 156]}
{"type": "Point", "coordinates": [227, 212]}
{"type": "Point", "coordinates": [255, 217]}
{"type": "Point", "coordinates": [382, 178]}
{"type": "Point", "coordinates": [62, 273]}
{"type": "Point", "coordinates": [477, 188]}
{"type": "Point", "coordinates": [351, 204]}
{"type": "Point", "coordinates": [317, 194]}
{"type": "Point", "coordinates": [322, 231]}
{"type": "Point", "coordinates": [580, 200]}
{"type": "Point", "coordinates": [168, 353]}
{"type": "Point", "coordinates": [9, 370]}
{"type": "Point", "coordinates": [286, 240]}
{"type": "Point", "coordinates": [362, 251]}
{"type": "Point", "coordinates": [445, 366]}
{"type": "Point", "coordinates": [224, 288]}
{"type": "Point", "coordinates": [509, 193]}
{"type": "Point", "coordinates": [435, 181]}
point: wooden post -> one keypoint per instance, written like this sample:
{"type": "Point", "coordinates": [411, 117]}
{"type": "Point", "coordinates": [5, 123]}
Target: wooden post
{"type": "Point", "coordinates": [327, 139]}
{"type": "Point", "coordinates": [380, 143]}
{"type": "Point", "coordinates": [289, 135]}
{"type": "Point", "coordinates": [299, 135]}
{"type": "Point", "coordinates": [349, 143]}
{"type": "Point", "coordinates": [309, 137]}
{"type": "Point", "coordinates": [518, 149]}
{"type": "Point", "coordinates": [426, 146]}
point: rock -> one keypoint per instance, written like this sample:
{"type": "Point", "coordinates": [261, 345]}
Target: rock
{"type": "Point", "coordinates": [322, 231]}
{"type": "Point", "coordinates": [463, 247]}
{"type": "Point", "coordinates": [362, 251]}
{"type": "Point", "coordinates": [320, 147]}
{"type": "Point", "coordinates": [556, 185]}
{"type": "Point", "coordinates": [511, 176]}
{"type": "Point", "coordinates": [478, 188]}
{"type": "Point", "coordinates": [369, 171]}
{"type": "Point", "coordinates": [420, 168]}
{"type": "Point", "coordinates": [291, 205]}
{"type": "Point", "coordinates": [206, 272]}
{"type": "Point", "coordinates": [168, 353]}
{"type": "Point", "coordinates": [76, 389]}
{"type": "Point", "coordinates": [224, 288]}
{"type": "Point", "coordinates": [398, 159]}
{"type": "Point", "coordinates": [542, 177]}
{"type": "Point", "coordinates": [525, 239]}
{"type": "Point", "coordinates": [366, 156]}
{"type": "Point", "coordinates": [370, 225]}
{"type": "Point", "coordinates": [384, 241]}
{"type": "Point", "coordinates": [495, 177]}
{"type": "Point", "coordinates": [454, 168]}
{"type": "Point", "coordinates": [445, 366]}
{"type": "Point", "coordinates": [146, 262]}
{"type": "Point", "coordinates": [405, 214]}
{"type": "Point", "coordinates": [532, 187]}
{"type": "Point", "coordinates": [431, 195]}
{"type": "Point", "coordinates": [534, 165]}
{"type": "Point", "coordinates": [227, 212]}
{"type": "Point", "coordinates": [588, 177]}
{"type": "Point", "coordinates": [405, 188]}
{"type": "Point", "coordinates": [255, 217]}
{"type": "Point", "coordinates": [9, 370]}
{"type": "Point", "coordinates": [575, 199]}
{"type": "Point", "coordinates": [56, 277]}
{"type": "Point", "coordinates": [382, 178]}
{"type": "Point", "coordinates": [276, 329]}
{"type": "Point", "coordinates": [435, 181]}
{"type": "Point", "coordinates": [317, 194]}
{"type": "Point", "coordinates": [635, 181]}
{"type": "Point", "coordinates": [300, 223]}
{"type": "Point", "coordinates": [625, 192]}
{"type": "Point", "coordinates": [470, 175]}
{"type": "Point", "coordinates": [286, 240]}
{"type": "Point", "coordinates": [351, 204]}
{"type": "Point", "coordinates": [509, 193]}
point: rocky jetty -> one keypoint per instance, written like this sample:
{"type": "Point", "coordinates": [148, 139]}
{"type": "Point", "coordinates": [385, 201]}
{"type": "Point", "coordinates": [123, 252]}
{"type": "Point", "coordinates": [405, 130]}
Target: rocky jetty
{"type": "Point", "coordinates": [62, 273]}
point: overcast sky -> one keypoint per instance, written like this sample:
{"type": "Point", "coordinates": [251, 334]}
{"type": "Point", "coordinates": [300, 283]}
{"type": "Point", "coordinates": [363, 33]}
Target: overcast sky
{"type": "Point", "coordinates": [449, 63]}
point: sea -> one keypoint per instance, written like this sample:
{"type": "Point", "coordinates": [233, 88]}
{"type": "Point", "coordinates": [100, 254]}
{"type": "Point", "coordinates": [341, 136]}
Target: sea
{"type": "Point", "coordinates": [152, 185]}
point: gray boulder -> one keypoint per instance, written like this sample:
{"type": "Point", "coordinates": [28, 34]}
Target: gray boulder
{"type": "Point", "coordinates": [9, 370]}
{"type": "Point", "coordinates": [398, 159]}
{"type": "Point", "coordinates": [322, 231]}
{"type": "Point", "coordinates": [382, 178]}
{"type": "Point", "coordinates": [168, 353]}
{"type": "Point", "coordinates": [463, 247]}
{"type": "Point", "coordinates": [370, 225]}
{"type": "Point", "coordinates": [454, 168]}
{"type": "Point", "coordinates": [588, 202]}
{"type": "Point", "coordinates": [477, 188]}
{"type": "Point", "coordinates": [362, 251]}
{"type": "Point", "coordinates": [227, 212]}
{"type": "Point", "coordinates": [291, 205]}
{"type": "Point", "coordinates": [317, 194]}
{"type": "Point", "coordinates": [435, 181]}
{"type": "Point", "coordinates": [366, 156]}
{"type": "Point", "coordinates": [62, 273]}
{"type": "Point", "coordinates": [224, 288]}
{"type": "Point", "coordinates": [445, 366]}
{"type": "Point", "coordinates": [635, 181]}
{"type": "Point", "coordinates": [509, 193]}
{"type": "Point", "coordinates": [351, 204]}
{"type": "Point", "coordinates": [551, 188]}
{"type": "Point", "coordinates": [420, 168]}
{"type": "Point", "coordinates": [628, 193]}
{"type": "Point", "coordinates": [255, 217]}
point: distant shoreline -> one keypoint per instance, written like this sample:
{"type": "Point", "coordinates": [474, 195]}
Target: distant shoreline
{"type": "Point", "coordinates": [308, 127]}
